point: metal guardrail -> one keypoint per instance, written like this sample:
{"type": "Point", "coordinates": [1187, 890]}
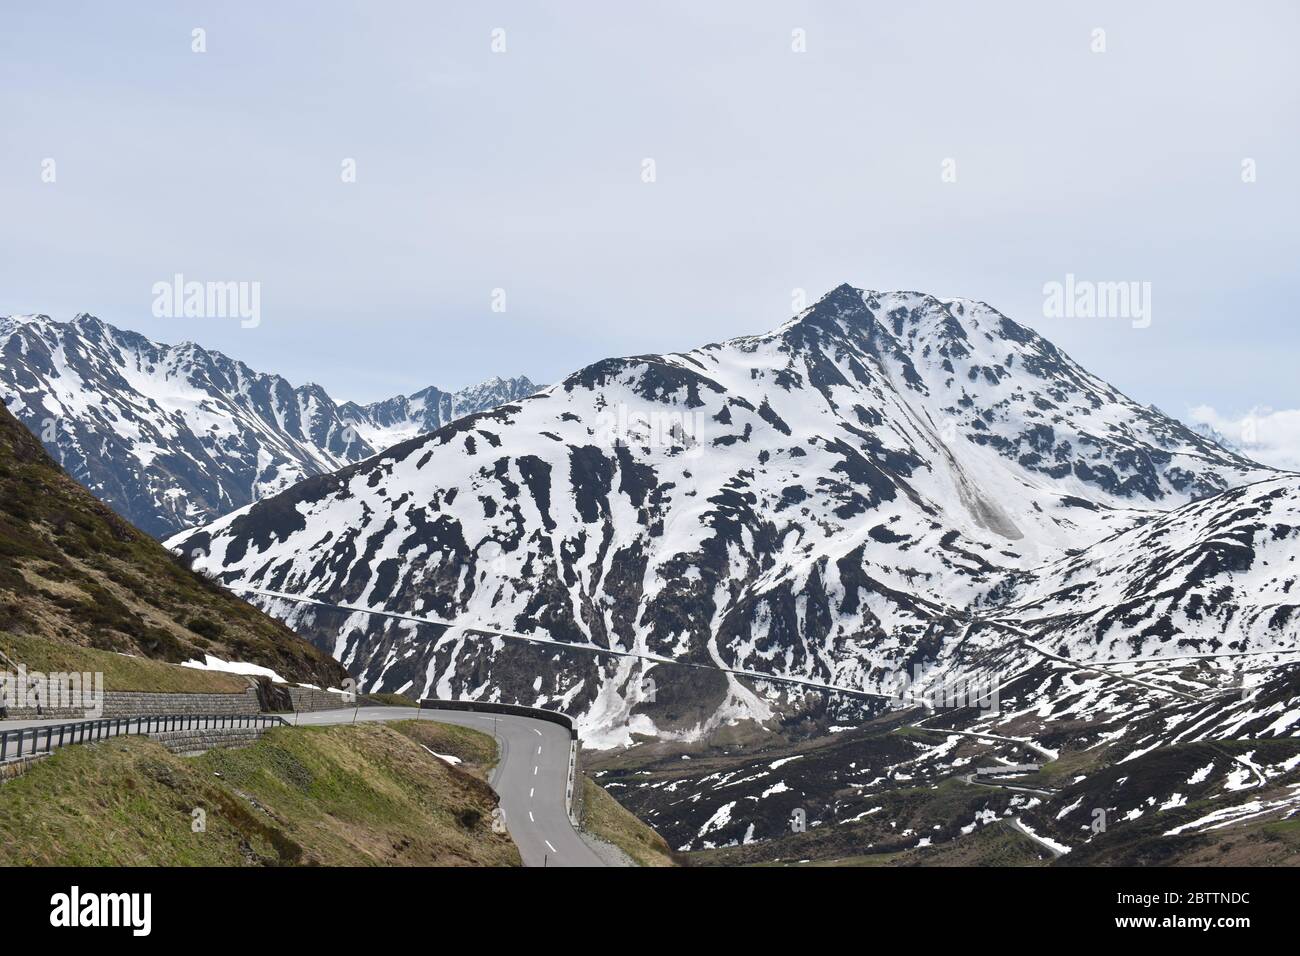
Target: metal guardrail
{"type": "Point", "coordinates": [515, 710]}
{"type": "Point", "coordinates": [85, 731]}
{"type": "Point", "coordinates": [572, 793]}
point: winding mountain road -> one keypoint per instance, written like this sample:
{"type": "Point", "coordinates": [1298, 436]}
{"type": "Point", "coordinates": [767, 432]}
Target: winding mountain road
{"type": "Point", "coordinates": [531, 775]}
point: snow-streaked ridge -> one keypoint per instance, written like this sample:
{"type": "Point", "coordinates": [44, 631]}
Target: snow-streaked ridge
{"type": "Point", "coordinates": [851, 487]}
{"type": "Point", "coordinates": [174, 436]}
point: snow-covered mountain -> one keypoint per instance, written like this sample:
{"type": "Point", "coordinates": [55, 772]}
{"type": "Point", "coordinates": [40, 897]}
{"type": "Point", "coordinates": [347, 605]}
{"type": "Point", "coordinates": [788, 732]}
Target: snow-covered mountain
{"type": "Point", "coordinates": [1221, 574]}
{"type": "Point", "coordinates": [174, 436]}
{"type": "Point", "coordinates": [828, 500]}
{"type": "Point", "coordinates": [395, 420]}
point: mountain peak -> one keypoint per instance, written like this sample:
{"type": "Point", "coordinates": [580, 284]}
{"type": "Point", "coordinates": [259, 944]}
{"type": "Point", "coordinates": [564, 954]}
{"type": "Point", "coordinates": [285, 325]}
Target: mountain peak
{"type": "Point", "coordinates": [173, 436]}
{"type": "Point", "coordinates": [85, 322]}
{"type": "Point", "coordinates": [33, 318]}
{"type": "Point", "coordinates": [843, 296]}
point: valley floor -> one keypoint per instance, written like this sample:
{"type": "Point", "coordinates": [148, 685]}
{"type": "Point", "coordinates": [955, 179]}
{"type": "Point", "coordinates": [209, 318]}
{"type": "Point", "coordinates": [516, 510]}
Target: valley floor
{"type": "Point", "coordinates": [1076, 770]}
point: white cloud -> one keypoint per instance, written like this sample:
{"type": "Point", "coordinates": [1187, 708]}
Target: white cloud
{"type": "Point", "coordinates": [1268, 436]}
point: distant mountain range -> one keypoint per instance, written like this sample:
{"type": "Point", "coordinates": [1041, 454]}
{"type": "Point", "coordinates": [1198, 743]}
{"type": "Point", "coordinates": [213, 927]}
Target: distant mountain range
{"type": "Point", "coordinates": [835, 500]}
{"type": "Point", "coordinates": [172, 437]}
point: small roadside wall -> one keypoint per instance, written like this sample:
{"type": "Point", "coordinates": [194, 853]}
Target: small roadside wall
{"type": "Point", "coordinates": [130, 703]}
{"type": "Point", "coordinates": [197, 741]}
{"type": "Point", "coordinates": [15, 768]}
{"type": "Point", "coordinates": [310, 698]}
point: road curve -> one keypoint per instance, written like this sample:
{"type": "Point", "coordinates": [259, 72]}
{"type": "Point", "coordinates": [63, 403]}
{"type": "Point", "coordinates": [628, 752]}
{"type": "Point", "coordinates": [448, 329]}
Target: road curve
{"type": "Point", "coordinates": [531, 775]}
{"type": "Point", "coordinates": [1015, 824]}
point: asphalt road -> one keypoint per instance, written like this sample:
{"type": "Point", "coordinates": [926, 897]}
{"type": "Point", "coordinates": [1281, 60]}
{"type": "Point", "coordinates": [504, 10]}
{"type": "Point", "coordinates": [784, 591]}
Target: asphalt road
{"type": "Point", "coordinates": [531, 774]}
{"type": "Point", "coordinates": [1019, 827]}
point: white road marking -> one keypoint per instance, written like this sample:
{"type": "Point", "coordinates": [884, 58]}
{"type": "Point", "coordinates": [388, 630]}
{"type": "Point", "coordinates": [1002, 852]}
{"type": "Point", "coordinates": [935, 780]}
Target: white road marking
{"type": "Point", "coordinates": [530, 817]}
{"type": "Point", "coordinates": [539, 750]}
{"type": "Point", "coordinates": [530, 792]}
{"type": "Point", "coordinates": [548, 843]}
{"type": "Point", "coordinates": [534, 771]}
{"type": "Point", "coordinates": [537, 732]}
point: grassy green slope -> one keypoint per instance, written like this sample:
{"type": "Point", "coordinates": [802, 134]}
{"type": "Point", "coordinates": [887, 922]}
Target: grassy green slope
{"type": "Point", "coordinates": [360, 794]}
{"type": "Point", "coordinates": [605, 818]}
{"type": "Point", "coordinates": [477, 751]}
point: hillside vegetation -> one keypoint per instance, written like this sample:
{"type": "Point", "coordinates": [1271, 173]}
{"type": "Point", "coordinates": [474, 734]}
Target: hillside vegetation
{"type": "Point", "coordinates": [605, 818]}
{"type": "Point", "coordinates": [477, 752]}
{"type": "Point", "coordinates": [362, 794]}
{"type": "Point", "coordinates": [73, 574]}
{"type": "Point", "coordinates": [121, 671]}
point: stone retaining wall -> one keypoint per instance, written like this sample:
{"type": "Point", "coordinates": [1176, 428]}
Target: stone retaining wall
{"type": "Point", "coordinates": [14, 768]}
{"type": "Point", "coordinates": [131, 703]}
{"type": "Point", "coordinates": [189, 743]}
{"type": "Point", "coordinates": [30, 713]}
{"type": "Point", "coordinates": [128, 703]}
{"type": "Point", "coordinates": [309, 698]}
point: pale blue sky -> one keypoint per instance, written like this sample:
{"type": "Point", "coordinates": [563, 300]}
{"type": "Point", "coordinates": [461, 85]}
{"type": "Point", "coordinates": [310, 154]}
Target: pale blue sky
{"type": "Point", "coordinates": [776, 170]}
